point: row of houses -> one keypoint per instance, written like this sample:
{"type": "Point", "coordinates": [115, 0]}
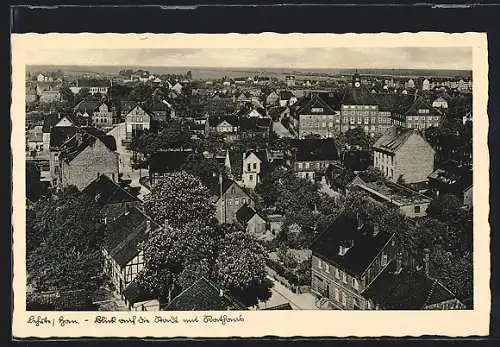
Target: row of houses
{"type": "Point", "coordinates": [329, 113]}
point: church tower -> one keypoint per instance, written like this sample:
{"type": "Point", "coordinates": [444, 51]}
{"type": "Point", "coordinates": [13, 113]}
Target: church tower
{"type": "Point", "coordinates": [356, 80]}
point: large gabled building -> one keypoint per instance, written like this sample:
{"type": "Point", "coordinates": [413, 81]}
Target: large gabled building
{"type": "Point", "coordinates": [346, 258]}
{"type": "Point", "coordinates": [403, 154]}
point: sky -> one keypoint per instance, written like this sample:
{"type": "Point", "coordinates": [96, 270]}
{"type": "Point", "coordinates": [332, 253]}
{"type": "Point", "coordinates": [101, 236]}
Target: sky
{"type": "Point", "coordinates": [453, 58]}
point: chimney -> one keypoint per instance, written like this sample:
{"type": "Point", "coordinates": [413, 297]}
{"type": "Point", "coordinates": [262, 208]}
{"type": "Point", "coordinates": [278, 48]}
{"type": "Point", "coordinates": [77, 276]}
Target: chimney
{"type": "Point", "coordinates": [345, 245]}
{"type": "Point", "coordinates": [359, 221]}
{"type": "Point", "coordinates": [105, 220]}
{"type": "Point", "coordinates": [399, 263]}
{"type": "Point", "coordinates": [221, 293]}
{"type": "Point", "coordinates": [148, 225]}
{"type": "Point", "coordinates": [426, 260]}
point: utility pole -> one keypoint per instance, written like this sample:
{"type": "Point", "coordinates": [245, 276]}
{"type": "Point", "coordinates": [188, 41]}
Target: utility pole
{"type": "Point", "coordinates": [222, 202]}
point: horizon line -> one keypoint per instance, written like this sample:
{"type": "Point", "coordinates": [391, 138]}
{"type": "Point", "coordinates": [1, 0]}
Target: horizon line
{"type": "Point", "coordinates": [252, 67]}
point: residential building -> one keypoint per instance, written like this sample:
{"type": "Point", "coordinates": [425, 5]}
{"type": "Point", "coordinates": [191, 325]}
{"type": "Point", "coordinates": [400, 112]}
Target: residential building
{"type": "Point", "coordinates": [403, 154]}
{"type": "Point", "coordinates": [99, 112]}
{"type": "Point", "coordinates": [272, 99]}
{"type": "Point", "coordinates": [253, 221]}
{"type": "Point", "coordinates": [204, 295]}
{"type": "Point", "coordinates": [229, 199]}
{"type": "Point", "coordinates": [311, 157]}
{"type": "Point", "coordinates": [177, 88]}
{"type": "Point", "coordinates": [112, 199]}
{"type": "Point", "coordinates": [409, 202]}
{"type": "Point", "coordinates": [290, 81]}
{"type": "Point", "coordinates": [287, 98]}
{"type": "Point", "coordinates": [421, 115]}
{"type": "Point", "coordinates": [440, 102]}
{"type": "Point", "coordinates": [34, 139]}
{"type": "Point", "coordinates": [123, 259]}
{"type": "Point", "coordinates": [57, 137]}
{"type": "Point", "coordinates": [317, 114]}
{"type": "Point", "coordinates": [48, 91]}
{"type": "Point", "coordinates": [94, 86]}
{"type": "Point", "coordinates": [84, 157]}
{"type": "Point", "coordinates": [452, 178]}
{"type": "Point", "coordinates": [136, 122]}
{"type": "Point", "coordinates": [426, 85]}
{"type": "Point", "coordinates": [346, 257]}
{"type": "Point", "coordinates": [252, 163]}
{"type": "Point", "coordinates": [400, 288]}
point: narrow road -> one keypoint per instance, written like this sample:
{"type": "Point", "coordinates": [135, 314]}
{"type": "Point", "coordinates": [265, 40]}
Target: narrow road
{"type": "Point", "coordinates": [280, 130]}
{"type": "Point", "coordinates": [303, 301]}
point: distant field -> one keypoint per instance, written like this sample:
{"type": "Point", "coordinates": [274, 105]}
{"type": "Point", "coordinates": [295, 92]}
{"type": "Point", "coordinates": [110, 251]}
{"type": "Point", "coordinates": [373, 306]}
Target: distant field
{"type": "Point", "coordinates": [214, 73]}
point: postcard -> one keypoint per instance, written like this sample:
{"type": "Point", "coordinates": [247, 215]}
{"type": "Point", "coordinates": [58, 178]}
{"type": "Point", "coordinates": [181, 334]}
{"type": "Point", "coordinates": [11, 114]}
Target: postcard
{"type": "Point", "coordinates": [195, 185]}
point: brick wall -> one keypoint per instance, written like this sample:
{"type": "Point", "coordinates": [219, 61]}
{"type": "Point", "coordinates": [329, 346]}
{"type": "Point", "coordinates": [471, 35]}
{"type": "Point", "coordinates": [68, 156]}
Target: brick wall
{"type": "Point", "coordinates": [93, 160]}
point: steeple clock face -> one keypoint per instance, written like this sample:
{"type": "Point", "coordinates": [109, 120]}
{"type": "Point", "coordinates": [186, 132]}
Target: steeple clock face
{"type": "Point", "coordinates": [357, 84]}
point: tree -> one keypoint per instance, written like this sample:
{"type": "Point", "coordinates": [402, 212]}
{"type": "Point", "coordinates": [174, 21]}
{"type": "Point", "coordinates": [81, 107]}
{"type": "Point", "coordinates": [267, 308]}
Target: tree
{"type": "Point", "coordinates": [358, 137]}
{"type": "Point", "coordinates": [82, 94]}
{"type": "Point", "coordinates": [189, 75]}
{"type": "Point", "coordinates": [174, 257]}
{"type": "Point", "coordinates": [67, 95]}
{"type": "Point", "coordinates": [206, 169]}
{"type": "Point", "coordinates": [240, 267]}
{"type": "Point", "coordinates": [68, 255]}
{"type": "Point", "coordinates": [140, 92]}
{"type": "Point", "coordinates": [179, 199]}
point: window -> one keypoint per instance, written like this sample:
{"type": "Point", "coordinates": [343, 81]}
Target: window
{"type": "Point", "coordinates": [320, 264]}
{"type": "Point", "coordinates": [230, 202]}
{"type": "Point", "coordinates": [330, 124]}
{"type": "Point", "coordinates": [417, 209]}
{"type": "Point", "coordinates": [327, 268]}
{"type": "Point", "coordinates": [317, 109]}
{"type": "Point", "coordinates": [337, 275]}
{"type": "Point", "coordinates": [337, 295]}
{"type": "Point", "coordinates": [249, 167]}
{"type": "Point", "coordinates": [323, 125]}
{"type": "Point", "coordinates": [344, 277]}
{"type": "Point", "coordinates": [251, 177]}
{"type": "Point", "coordinates": [344, 299]}
{"type": "Point", "coordinates": [306, 165]}
{"type": "Point", "coordinates": [236, 202]}
{"type": "Point", "coordinates": [255, 166]}
{"type": "Point", "coordinates": [300, 165]}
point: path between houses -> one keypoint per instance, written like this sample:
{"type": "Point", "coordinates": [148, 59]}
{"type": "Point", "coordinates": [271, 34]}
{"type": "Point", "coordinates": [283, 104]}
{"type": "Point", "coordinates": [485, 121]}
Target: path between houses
{"type": "Point", "coordinates": [303, 301]}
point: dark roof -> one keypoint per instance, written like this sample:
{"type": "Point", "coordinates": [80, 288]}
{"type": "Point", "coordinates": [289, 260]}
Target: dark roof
{"type": "Point", "coordinates": [255, 124]}
{"type": "Point", "coordinates": [315, 149]}
{"type": "Point", "coordinates": [49, 121]}
{"type": "Point", "coordinates": [329, 101]}
{"type": "Point", "coordinates": [81, 140]}
{"type": "Point", "coordinates": [87, 106]}
{"type": "Point", "coordinates": [406, 290]}
{"type": "Point", "coordinates": [451, 177]}
{"type": "Point", "coordinates": [135, 293]}
{"type": "Point", "coordinates": [127, 106]}
{"type": "Point", "coordinates": [104, 191]}
{"type": "Point", "coordinates": [59, 135]}
{"type": "Point", "coordinates": [203, 295]}
{"type": "Point", "coordinates": [92, 82]}
{"type": "Point", "coordinates": [421, 103]}
{"type": "Point", "coordinates": [282, 307]}
{"type": "Point", "coordinates": [365, 246]}
{"type": "Point", "coordinates": [286, 95]}
{"type": "Point", "coordinates": [167, 161]}
{"type": "Point", "coordinates": [261, 154]}
{"type": "Point", "coordinates": [124, 234]}
{"type": "Point", "coordinates": [393, 138]}
{"type": "Point", "coordinates": [244, 214]}
{"type": "Point", "coordinates": [359, 96]}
